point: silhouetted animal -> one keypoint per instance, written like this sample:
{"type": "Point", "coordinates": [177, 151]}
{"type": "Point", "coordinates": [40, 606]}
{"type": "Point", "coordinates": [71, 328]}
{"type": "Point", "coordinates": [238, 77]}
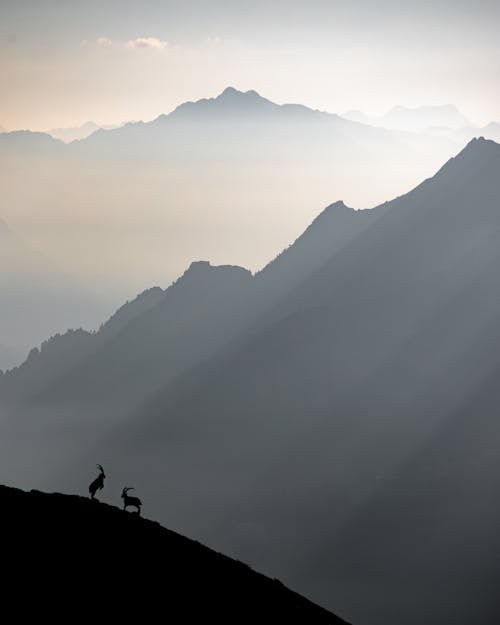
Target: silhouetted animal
{"type": "Point", "coordinates": [98, 483]}
{"type": "Point", "coordinates": [135, 502]}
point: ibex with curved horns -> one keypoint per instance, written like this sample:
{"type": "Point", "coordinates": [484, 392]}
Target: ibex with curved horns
{"type": "Point", "coordinates": [135, 502]}
{"type": "Point", "coordinates": [98, 483]}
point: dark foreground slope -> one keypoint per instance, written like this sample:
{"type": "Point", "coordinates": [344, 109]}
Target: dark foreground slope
{"type": "Point", "coordinates": [75, 552]}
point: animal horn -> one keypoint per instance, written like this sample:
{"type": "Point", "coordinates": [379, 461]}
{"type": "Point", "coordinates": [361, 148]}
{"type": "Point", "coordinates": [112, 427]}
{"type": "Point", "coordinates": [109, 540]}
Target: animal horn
{"type": "Point", "coordinates": [99, 466]}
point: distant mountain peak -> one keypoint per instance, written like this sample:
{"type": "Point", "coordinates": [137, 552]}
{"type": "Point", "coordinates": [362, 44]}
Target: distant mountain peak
{"type": "Point", "coordinates": [202, 271]}
{"type": "Point", "coordinates": [478, 147]}
{"type": "Point", "coordinates": [339, 204]}
{"type": "Point", "coordinates": [231, 92]}
{"type": "Point", "coordinates": [205, 267]}
{"type": "Point", "coordinates": [228, 102]}
{"type": "Point", "coordinates": [478, 159]}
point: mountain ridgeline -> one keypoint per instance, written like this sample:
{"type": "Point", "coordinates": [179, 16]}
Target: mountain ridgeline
{"type": "Point", "coordinates": [163, 332]}
{"type": "Point", "coordinates": [231, 178]}
{"type": "Point", "coordinates": [332, 419]}
{"type": "Point", "coordinates": [143, 569]}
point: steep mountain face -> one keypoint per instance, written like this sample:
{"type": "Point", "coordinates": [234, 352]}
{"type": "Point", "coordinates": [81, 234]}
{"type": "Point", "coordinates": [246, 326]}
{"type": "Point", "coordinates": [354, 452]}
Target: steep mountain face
{"type": "Point", "coordinates": [130, 310]}
{"type": "Point", "coordinates": [161, 333]}
{"type": "Point", "coordinates": [147, 570]}
{"type": "Point", "coordinates": [230, 103]}
{"type": "Point", "coordinates": [340, 417]}
{"type": "Point", "coordinates": [345, 438]}
{"type": "Point", "coordinates": [142, 346]}
{"type": "Point", "coordinates": [332, 230]}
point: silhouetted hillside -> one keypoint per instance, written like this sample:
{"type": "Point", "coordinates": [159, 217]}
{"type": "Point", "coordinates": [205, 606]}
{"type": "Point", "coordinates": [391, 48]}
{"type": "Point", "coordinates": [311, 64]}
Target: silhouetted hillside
{"type": "Point", "coordinates": [87, 557]}
{"type": "Point", "coordinates": [334, 228]}
{"type": "Point", "coordinates": [163, 332]}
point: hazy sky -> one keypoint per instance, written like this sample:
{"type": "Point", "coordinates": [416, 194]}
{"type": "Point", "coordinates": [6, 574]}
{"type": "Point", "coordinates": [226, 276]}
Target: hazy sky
{"type": "Point", "coordinates": [63, 62]}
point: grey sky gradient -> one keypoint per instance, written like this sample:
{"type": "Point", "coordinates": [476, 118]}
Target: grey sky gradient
{"type": "Point", "coordinates": [329, 55]}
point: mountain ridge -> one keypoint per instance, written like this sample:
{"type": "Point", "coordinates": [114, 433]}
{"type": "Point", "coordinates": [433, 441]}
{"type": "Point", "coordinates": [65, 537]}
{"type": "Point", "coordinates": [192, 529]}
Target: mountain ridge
{"type": "Point", "coordinates": [414, 119]}
{"type": "Point", "coordinates": [331, 420]}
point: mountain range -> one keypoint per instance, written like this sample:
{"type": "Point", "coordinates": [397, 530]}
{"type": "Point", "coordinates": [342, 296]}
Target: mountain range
{"type": "Point", "coordinates": [77, 133]}
{"type": "Point", "coordinates": [232, 178]}
{"type": "Point", "coordinates": [415, 119]}
{"type": "Point", "coordinates": [331, 419]}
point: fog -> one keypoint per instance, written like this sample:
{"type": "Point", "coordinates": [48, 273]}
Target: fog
{"type": "Point", "coordinates": [150, 198]}
{"type": "Point", "coordinates": [333, 426]}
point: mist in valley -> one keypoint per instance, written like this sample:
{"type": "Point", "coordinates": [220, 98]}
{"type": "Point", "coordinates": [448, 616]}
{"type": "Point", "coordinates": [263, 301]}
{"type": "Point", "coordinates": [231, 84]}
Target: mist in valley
{"type": "Point", "coordinates": [272, 308]}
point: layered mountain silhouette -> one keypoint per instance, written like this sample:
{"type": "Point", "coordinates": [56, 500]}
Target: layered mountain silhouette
{"type": "Point", "coordinates": [28, 143]}
{"type": "Point", "coordinates": [143, 569]}
{"type": "Point", "coordinates": [331, 420]}
{"type": "Point", "coordinates": [207, 180]}
{"type": "Point", "coordinates": [234, 167]}
{"type": "Point", "coordinates": [76, 133]}
{"type": "Point", "coordinates": [163, 332]}
{"type": "Point", "coordinates": [415, 119]}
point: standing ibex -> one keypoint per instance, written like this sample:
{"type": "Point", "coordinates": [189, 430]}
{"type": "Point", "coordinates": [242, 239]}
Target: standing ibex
{"type": "Point", "coordinates": [131, 501]}
{"type": "Point", "coordinates": [98, 483]}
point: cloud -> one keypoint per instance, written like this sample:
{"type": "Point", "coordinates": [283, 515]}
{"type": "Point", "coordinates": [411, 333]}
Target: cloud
{"type": "Point", "coordinates": [104, 42]}
{"type": "Point", "coordinates": [147, 42]}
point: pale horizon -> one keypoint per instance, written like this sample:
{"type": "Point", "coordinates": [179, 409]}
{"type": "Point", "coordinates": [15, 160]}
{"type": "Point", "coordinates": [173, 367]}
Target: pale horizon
{"type": "Point", "coordinates": [64, 64]}
{"type": "Point", "coordinates": [375, 112]}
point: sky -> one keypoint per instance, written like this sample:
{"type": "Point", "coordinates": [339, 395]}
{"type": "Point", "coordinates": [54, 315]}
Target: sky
{"type": "Point", "coordinates": [66, 62]}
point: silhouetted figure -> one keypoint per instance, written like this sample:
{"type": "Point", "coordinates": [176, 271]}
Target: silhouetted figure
{"type": "Point", "coordinates": [135, 502]}
{"type": "Point", "coordinates": [98, 483]}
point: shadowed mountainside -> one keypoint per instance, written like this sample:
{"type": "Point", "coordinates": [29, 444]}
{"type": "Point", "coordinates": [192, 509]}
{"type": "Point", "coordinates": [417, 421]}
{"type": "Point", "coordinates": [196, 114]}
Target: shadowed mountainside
{"type": "Point", "coordinates": [353, 421]}
{"type": "Point", "coordinates": [62, 542]}
{"type": "Point", "coordinates": [164, 332]}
